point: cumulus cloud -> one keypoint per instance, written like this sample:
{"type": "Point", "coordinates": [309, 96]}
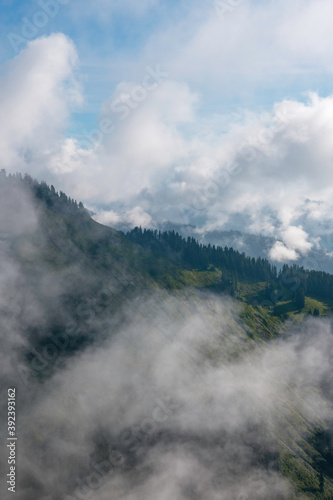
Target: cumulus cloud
{"type": "Point", "coordinates": [37, 93]}
{"type": "Point", "coordinates": [296, 238]}
{"type": "Point", "coordinates": [133, 218]}
{"type": "Point", "coordinates": [280, 253]}
{"type": "Point", "coordinates": [160, 156]}
{"type": "Point", "coordinates": [157, 157]}
{"type": "Point", "coordinates": [257, 177]}
{"type": "Point", "coordinates": [142, 141]}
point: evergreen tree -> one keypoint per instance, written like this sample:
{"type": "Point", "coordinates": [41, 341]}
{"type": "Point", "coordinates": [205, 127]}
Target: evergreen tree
{"type": "Point", "coordinates": [300, 298]}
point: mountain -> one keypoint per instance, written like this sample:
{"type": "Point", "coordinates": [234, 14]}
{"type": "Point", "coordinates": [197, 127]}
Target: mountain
{"type": "Point", "coordinates": [149, 360]}
{"type": "Point", "coordinates": [319, 258]}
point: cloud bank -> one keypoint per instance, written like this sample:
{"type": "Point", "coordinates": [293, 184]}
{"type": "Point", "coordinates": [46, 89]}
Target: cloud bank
{"type": "Point", "coordinates": [164, 149]}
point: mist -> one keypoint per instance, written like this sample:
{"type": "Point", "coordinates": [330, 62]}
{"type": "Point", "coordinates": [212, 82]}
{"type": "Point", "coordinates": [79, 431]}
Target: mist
{"type": "Point", "coordinates": [170, 396]}
{"type": "Point", "coordinates": [166, 295]}
{"type": "Point", "coordinates": [181, 403]}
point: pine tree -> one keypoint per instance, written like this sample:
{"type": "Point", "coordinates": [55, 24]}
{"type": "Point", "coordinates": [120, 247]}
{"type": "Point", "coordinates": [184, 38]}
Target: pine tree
{"type": "Point", "coordinates": [300, 298]}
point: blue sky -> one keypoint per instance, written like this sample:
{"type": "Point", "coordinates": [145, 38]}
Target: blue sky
{"type": "Point", "coordinates": [245, 96]}
{"type": "Point", "coordinates": [110, 42]}
{"type": "Point", "coordinates": [103, 36]}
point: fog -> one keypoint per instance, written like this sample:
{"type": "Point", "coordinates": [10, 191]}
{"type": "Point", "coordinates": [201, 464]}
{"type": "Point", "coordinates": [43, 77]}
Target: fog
{"type": "Point", "coordinates": [174, 406]}
{"type": "Point", "coordinates": [172, 399]}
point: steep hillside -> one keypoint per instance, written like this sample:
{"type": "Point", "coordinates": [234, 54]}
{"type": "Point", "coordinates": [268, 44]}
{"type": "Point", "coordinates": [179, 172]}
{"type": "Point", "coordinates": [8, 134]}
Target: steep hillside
{"type": "Point", "coordinates": [210, 326]}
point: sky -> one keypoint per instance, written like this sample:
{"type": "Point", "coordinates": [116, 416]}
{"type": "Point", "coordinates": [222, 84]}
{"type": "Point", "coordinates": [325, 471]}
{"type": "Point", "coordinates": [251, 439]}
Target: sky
{"type": "Point", "coordinates": [211, 113]}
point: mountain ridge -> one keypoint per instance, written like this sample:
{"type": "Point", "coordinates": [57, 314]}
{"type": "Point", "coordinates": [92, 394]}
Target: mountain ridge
{"type": "Point", "coordinates": [81, 282]}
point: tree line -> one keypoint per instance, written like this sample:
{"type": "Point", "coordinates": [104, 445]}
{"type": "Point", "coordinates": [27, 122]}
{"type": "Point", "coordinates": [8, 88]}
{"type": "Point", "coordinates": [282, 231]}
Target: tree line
{"type": "Point", "coordinates": [236, 265]}
{"type": "Point", "coordinates": [41, 192]}
{"type": "Point", "coordinates": [170, 245]}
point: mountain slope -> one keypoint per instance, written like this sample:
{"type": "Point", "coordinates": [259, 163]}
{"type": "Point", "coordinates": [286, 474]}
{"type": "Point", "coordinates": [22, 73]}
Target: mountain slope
{"type": "Point", "coordinates": [215, 329]}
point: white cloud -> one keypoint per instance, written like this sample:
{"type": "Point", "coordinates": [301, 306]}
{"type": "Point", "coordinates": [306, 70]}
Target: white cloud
{"type": "Point", "coordinates": [134, 217]}
{"type": "Point", "coordinates": [162, 158]}
{"type": "Point", "coordinates": [37, 93]}
{"type": "Point", "coordinates": [250, 171]}
{"type": "Point", "coordinates": [257, 176]}
{"type": "Point", "coordinates": [296, 239]}
{"type": "Point", "coordinates": [280, 253]}
{"type": "Point", "coordinates": [304, 38]}
{"type": "Point", "coordinates": [69, 157]}
{"type": "Point", "coordinates": [146, 141]}
{"type": "Point", "coordinates": [257, 43]}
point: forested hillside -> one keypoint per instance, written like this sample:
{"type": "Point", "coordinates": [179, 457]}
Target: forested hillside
{"type": "Point", "coordinates": [98, 326]}
{"type": "Point", "coordinates": [235, 266]}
